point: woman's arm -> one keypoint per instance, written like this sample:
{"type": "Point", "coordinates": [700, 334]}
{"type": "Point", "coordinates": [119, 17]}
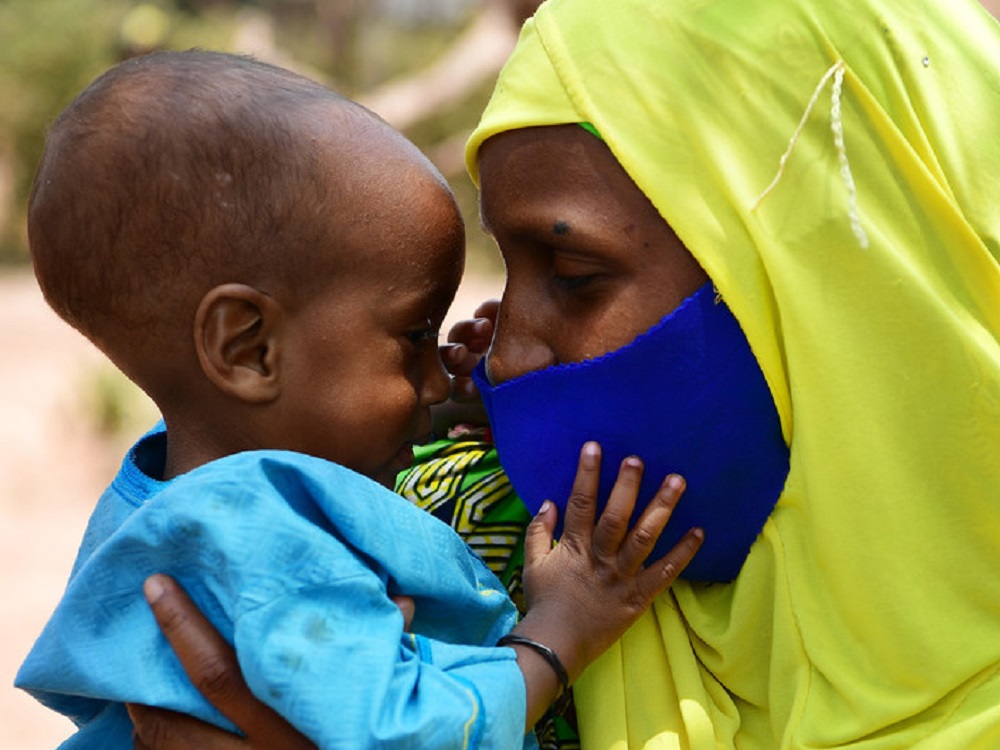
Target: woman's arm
{"type": "Point", "coordinates": [211, 665]}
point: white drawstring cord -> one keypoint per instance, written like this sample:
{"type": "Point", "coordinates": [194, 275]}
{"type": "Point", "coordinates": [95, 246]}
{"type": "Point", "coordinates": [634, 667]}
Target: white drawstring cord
{"type": "Point", "coordinates": [836, 71]}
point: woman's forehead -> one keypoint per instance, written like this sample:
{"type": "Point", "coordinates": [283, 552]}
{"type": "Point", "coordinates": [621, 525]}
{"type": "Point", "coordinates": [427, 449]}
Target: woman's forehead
{"type": "Point", "coordinates": [558, 181]}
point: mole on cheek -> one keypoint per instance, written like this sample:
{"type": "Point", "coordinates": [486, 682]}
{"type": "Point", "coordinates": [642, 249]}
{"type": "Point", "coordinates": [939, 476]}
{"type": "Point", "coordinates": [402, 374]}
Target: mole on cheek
{"type": "Point", "coordinates": [560, 228]}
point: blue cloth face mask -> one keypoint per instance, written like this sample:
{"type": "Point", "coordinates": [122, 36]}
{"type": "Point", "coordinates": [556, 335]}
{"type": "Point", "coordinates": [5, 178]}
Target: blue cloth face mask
{"type": "Point", "coordinates": [688, 397]}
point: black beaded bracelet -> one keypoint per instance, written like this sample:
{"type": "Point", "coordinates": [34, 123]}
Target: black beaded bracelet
{"type": "Point", "coordinates": [512, 639]}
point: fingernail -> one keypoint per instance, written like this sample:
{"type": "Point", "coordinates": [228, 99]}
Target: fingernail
{"type": "Point", "coordinates": [591, 454]}
{"type": "Point", "coordinates": [675, 482]}
{"type": "Point", "coordinates": [479, 326]}
{"type": "Point", "coordinates": [546, 506]}
{"type": "Point", "coordinates": [153, 588]}
{"type": "Point", "coordinates": [633, 462]}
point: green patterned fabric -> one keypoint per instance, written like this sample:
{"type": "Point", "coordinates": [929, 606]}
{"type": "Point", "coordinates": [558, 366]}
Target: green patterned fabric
{"type": "Point", "coordinates": [460, 481]}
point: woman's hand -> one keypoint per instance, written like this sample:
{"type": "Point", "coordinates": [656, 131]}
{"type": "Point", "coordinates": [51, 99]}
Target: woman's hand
{"type": "Point", "coordinates": [211, 665]}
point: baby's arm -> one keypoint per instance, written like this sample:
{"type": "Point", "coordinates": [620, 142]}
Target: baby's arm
{"type": "Point", "coordinates": [585, 592]}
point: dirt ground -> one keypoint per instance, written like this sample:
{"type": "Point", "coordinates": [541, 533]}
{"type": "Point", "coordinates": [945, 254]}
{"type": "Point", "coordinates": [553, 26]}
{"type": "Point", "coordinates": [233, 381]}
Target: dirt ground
{"type": "Point", "coordinates": [53, 466]}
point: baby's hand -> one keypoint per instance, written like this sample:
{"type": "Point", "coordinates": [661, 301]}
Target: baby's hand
{"type": "Point", "coordinates": [585, 592]}
{"type": "Point", "coordinates": [468, 342]}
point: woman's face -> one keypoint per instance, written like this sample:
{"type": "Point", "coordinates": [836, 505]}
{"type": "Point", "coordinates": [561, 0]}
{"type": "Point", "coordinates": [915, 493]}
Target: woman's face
{"type": "Point", "coordinates": [590, 262]}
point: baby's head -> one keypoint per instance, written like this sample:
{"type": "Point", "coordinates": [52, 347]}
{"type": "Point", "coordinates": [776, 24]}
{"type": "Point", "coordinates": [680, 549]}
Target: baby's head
{"type": "Point", "coordinates": [264, 257]}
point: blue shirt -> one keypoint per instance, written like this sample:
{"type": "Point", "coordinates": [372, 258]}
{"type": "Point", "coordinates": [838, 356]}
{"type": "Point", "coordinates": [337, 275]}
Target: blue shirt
{"type": "Point", "coordinates": [294, 560]}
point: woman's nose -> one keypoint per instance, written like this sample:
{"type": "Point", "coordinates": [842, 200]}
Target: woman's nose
{"type": "Point", "coordinates": [517, 349]}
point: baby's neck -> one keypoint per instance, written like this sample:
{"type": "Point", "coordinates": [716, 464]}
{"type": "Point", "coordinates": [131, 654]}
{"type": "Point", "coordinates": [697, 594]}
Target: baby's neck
{"type": "Point", "coordinates": [188, 448]}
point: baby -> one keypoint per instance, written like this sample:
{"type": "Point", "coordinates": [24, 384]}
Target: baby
{"type": "Point", "coordinates": [270, 263]}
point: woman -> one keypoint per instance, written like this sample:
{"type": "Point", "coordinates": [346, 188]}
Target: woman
{"type": "Point", "coordinates": [866, 282]}
{"type": "Point", "coordinates": [831, 168]}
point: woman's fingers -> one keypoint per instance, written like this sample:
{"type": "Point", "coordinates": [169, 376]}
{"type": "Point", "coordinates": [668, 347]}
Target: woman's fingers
{"type": "Point", "coordinates": [160, 729]}
{"type": "Point", "coordinates": [211, 665]}
{"type": "Point", "coordinates": [407, 608]}
{"type": "Point", "coordinates": [209, 661]}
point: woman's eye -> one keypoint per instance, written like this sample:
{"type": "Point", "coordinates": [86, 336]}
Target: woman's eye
{"type": "Point", "coordinates": [574, 272]}
{"type": "Point", "coordinates": [574, 283]}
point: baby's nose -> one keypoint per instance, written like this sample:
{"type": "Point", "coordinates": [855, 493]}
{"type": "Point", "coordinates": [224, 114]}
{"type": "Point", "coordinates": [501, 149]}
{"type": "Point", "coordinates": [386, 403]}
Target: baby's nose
{"type": "Point", "coordinates": [437, 385]}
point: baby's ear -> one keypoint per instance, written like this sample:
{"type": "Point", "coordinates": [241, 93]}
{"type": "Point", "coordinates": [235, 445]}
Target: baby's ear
{"type": "Point", "coordinates": [236, 337]}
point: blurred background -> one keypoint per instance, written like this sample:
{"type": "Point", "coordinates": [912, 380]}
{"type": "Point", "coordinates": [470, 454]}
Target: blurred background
{"type": "Point", "coordinates": [426, 66]}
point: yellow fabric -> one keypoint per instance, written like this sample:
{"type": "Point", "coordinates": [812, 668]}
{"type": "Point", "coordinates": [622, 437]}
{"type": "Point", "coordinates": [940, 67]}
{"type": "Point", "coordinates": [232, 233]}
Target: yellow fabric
{"type": "Point", "coordinates": [868, 612]}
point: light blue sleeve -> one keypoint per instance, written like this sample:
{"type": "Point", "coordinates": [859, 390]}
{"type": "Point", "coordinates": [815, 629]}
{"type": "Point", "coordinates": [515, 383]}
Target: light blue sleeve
{"type": "Point", "coordinates": [323, 643]}
{"type": "Point", "coordinates": [293, 561]}
{"type": "Point", "coordinates": [334, 661]}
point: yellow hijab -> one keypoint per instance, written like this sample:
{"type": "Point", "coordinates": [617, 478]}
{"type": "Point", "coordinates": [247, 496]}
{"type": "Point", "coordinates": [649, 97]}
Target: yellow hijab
{"type": "Point", "coordinates": [867, 282]}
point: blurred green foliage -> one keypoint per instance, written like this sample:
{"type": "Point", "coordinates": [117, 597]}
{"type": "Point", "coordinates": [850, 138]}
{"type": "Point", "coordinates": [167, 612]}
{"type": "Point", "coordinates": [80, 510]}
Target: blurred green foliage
{"type": "Point", "coordinates": [51, 49]}
{"type": "Point", "coordinates": [113, 405]}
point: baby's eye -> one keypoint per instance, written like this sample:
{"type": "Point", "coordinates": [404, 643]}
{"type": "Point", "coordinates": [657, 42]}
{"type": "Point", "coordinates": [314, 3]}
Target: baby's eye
{"type": "Point", "coordinates": [420, 336]}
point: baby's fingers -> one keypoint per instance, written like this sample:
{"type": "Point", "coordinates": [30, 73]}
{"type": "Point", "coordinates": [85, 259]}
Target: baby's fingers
{"type": "Point", "coordinates": [460, 362]}
{"type": "Point", "coordinates": [581, 507]}
{"type": "Point", "coordinates": [655, 579]}
{"type": "Point", "coordinates": [646, 532]}
{"type": "Point", "coordinates": [538, 535]}
{"type": "Point", "coordinates": [475, 334]}
{"type": "Point", "coordinates": [488, 309]}
{"type": "Point", "coordinates": [613, 523]}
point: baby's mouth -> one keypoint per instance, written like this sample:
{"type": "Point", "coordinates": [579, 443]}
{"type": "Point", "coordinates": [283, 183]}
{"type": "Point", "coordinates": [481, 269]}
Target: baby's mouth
{"type": "Point", "coordinates": [404, 457]}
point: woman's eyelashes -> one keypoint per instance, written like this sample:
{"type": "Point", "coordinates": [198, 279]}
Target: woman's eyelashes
{"type": "Point", "coordinates": [574, 283]}
{"type": "Point", "coordinates": [577, 272]}
{"type": "Point", "coordinates": [579, 278]}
